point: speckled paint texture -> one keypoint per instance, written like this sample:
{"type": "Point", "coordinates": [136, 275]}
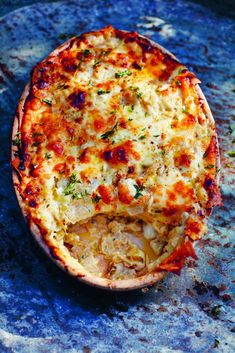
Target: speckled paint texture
{"type": "Point", "coordinates": [43, 310]}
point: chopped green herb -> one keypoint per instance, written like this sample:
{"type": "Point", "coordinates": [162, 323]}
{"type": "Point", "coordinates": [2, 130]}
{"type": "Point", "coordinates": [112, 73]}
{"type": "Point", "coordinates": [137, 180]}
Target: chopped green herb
{"type": "Point", "coordinates": [96, 63]}
{"type": "Point", "coordinates": [86, 52]}
{"type": "Point", "coordinates": [178, 83]}
{"type": "Point", "coordinates": [79, 195]}
{"type": "Point", "coordinates": [184, 111]}
{"type": "Point", "coordinates": [37, 143]}
{"type": "Point", "coordinates": [210, 166]}
{"type": "Point", "coordinates": [163, 152]}
{"type": "Point", "coordinates": [35, 134]}
{"type": "Point", "coordinates": [16, 141]}
{"type": "Point", "coordinates": [231, 153]}
{"type": "Point", "coordinates": [48, 155]}
{"type": "Point", "coordinates": [156, 135]}
{"type": "Point", "coordinates": [131, 109]}
{"type": "Point", "coordinates": [142, 137]}
{"type": "Point", "coordinates": [130, 119]}
{"type": "Point", "coordinates": [228, 165]}
{"type": "Point", "coordinates": [47, 101]}
{"type": "Point", "coordinates": [96, 199]}
{"type": "Point", "coordinates": [101, 91]}
{"type": "Point", "coordinates": [138, 188]}
{"type": "Point", "coordinates": [70, 187]}
{"type": "Point", "coordinates": [216, 310]}
{"type": "Point", "coordinates": [230, 129]}
{"type": "Point", "coordinates": [90, 84]}
{"type": "Point", "coordinates": [139, 94]}
{"type": "Point", "coordinates": [137, 90]}
{"type": "Point", "coordinates": [109, 133]}
{"type": "Point", "coordinates": [123, 73]}
{"type": "Point", "coordinates": [113, 112]}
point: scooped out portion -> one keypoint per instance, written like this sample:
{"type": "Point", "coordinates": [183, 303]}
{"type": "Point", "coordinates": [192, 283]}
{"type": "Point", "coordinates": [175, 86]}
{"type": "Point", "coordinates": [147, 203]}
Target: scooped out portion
{"type": "Point", "coordinates": [114, 247]}
{"type": "Point", "coordinates": [117, 157]}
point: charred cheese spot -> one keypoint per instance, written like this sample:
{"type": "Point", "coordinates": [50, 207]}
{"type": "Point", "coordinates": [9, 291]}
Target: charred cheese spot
{"type": "Point", "coordinates": [117, 156]}
{"type": "Point", "coordinates": [77, 99]}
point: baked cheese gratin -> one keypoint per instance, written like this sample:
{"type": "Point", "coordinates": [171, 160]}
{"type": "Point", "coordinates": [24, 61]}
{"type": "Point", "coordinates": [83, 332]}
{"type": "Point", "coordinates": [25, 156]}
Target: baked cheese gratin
{"type": "Point", "coordinates": [115, 159]}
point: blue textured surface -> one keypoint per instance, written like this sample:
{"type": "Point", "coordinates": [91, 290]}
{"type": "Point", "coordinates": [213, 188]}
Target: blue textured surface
{"type": "Point", "coordinates": [42, 310]}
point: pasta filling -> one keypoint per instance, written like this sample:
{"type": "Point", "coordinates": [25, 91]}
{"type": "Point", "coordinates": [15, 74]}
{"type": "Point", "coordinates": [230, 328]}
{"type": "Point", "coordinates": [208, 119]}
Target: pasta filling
{"type": "Point", "coordinates": [118, 247]}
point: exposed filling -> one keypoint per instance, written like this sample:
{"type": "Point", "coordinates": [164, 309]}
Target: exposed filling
{"type": "Point", "coordinates": [119, 247]}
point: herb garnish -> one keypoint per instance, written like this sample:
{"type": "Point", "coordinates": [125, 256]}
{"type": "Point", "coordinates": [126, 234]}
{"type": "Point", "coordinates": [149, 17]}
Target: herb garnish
{"type": "Point", "coordinates": [37, 143]}
{"type": "Point", "coordinates": [178, 83]}
{"type": "Point", "coordinates": [16, 141]}
{"type": "Point", "coordinates": [48, 155]}
{"type": "Point", "coordinates": [47, 101]}
{"type": "Point", "coordinates": [96, 199]}
{"type": "Point", "coordinates": [139, 94]}
{"type": "Point", "coordinates": [228, 165]}
{"type": "Point", "coordinates": [109, 133]}
{"type": "Point", "coordinates": [70, 187]}
{"type": "Point", "coordinates": [86, 52]}
{"type": "Point", "coordinates": [138, 188]}
{"type": "Point", "coordinates": [34, 134]}
{"type": "Point", "coordinates": [123, 73]}
{"type": "Point", "coordinates": [131, 109]}
{"type": "Point", "coordinates": [142, 137]}
{"type": "Point", "coordinates": [210, 166]}
{"type": "Point", "coordinates": [101, 91]}
{"type": "Point", "coordinates": [96, 63]}
{"type": "Point", "coordinates": [137, 90]}
{"type": "Point", "coordinates": [79, 195]}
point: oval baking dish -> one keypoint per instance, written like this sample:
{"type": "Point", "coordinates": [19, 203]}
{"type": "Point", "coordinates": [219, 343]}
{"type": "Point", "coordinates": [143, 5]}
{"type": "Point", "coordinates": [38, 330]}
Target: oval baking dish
{"type": "Point", "coordinates": [115, 159]}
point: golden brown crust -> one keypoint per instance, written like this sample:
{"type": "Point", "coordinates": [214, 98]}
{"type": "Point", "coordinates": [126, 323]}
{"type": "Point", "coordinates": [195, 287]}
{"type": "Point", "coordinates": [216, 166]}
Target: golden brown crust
{"type": "Point", "coordinates": [38, 233]}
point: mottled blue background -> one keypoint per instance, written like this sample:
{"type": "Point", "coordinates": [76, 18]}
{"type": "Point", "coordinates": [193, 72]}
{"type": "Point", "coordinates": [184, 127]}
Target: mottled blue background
{"type": "Point", "coordinates": [43, 310]}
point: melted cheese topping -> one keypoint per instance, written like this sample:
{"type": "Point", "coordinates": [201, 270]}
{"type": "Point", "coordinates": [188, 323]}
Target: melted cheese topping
{"type": "Point", "coordinates": [117, 155]}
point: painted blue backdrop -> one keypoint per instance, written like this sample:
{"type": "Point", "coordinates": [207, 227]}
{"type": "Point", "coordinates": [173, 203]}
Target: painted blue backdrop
{"type": "Point", "coordinates": [41, 309]}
